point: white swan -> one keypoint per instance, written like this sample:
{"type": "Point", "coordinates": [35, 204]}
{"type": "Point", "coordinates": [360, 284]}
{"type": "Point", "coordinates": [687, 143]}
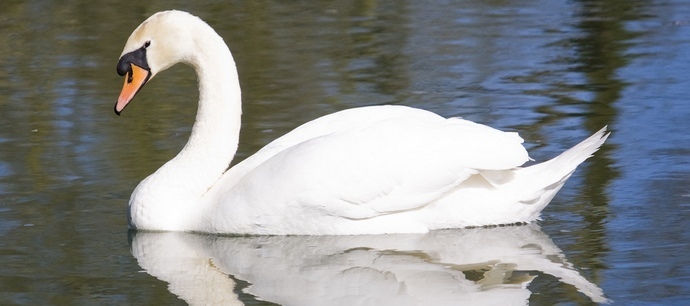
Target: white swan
{"type": "Point", "coordinates": [369, 170]}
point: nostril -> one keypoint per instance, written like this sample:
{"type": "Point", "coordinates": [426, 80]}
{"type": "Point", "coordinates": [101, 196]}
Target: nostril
{"type": "Point", "coordinates": [136, 57]}
{"type": "Point", "coordinates": [123, 67]}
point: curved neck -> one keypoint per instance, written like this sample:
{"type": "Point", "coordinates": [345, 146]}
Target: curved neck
{"type": "Point", "coordinates": [215, 134]}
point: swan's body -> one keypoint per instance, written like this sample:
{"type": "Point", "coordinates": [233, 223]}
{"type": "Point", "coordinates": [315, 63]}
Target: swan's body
{"type": "Point", "coordinates": [370, 170]}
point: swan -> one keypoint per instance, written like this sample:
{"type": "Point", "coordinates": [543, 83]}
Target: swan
{"type": "Point", "coordinates": [367, 170]}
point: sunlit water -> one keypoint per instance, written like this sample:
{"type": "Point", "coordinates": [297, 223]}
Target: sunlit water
{"type": "Point", "coordinates": [556, 71]}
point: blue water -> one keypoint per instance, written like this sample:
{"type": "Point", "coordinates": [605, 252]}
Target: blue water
{"type": "Point", "coordinates": [555, 71]}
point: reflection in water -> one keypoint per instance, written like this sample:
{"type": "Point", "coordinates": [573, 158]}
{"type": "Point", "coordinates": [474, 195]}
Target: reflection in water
{"type": "Point", "coordinates": [483, 266]}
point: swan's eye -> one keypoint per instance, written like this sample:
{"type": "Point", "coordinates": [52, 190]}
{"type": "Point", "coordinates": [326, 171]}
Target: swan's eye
{"type": "Point", "coordinates": [147, 44]}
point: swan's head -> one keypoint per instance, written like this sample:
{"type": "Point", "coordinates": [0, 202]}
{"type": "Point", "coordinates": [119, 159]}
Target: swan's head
{"type": "Point", "coordinates": [162, 40]}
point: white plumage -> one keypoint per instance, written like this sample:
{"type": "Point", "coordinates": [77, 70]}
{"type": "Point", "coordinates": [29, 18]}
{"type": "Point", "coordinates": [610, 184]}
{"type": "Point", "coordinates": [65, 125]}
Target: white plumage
{"type": "Point", "coordinates": [369, 170]}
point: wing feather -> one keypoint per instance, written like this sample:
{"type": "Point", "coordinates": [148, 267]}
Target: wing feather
{"type": "Point", "coordinates": [379, 167]}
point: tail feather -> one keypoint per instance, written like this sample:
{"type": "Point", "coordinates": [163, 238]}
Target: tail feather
{"type": "Point", "coordinates": [539, 183]}
{"type": "Point", "coordinates": [515, 195]}
{"type": "Point", "coordinates": [582, 151]}
{"type": "Point", "coordinates": [559, 168]}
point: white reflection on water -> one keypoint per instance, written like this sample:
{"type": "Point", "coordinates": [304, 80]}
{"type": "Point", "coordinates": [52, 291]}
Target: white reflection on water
{"type": "Point", "coordinates": [483, 266]}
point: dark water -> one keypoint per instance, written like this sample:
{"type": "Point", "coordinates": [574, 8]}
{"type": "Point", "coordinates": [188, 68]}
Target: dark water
{"type": "Point", "coordinates": [556, 71]}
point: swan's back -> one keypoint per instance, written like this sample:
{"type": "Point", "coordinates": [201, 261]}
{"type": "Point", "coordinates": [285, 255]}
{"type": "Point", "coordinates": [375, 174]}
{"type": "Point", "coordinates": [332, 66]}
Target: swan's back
{"type": "Point", "coordinates": [389, 121]}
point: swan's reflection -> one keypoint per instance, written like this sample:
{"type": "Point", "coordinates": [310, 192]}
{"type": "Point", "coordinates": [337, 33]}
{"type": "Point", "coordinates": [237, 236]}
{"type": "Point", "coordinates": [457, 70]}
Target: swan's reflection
{"type": "Point", "coordinates": [453, 267]}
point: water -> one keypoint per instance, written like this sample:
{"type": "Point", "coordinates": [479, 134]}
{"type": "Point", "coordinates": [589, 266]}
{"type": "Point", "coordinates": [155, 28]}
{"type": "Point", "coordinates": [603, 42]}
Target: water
{"type": "Point", "coordinates": [556, 71]}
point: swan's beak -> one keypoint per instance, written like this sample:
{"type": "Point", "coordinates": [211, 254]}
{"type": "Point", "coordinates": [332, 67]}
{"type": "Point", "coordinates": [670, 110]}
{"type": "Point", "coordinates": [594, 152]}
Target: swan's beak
{"type": "Point", "coordinates": [135, 79]}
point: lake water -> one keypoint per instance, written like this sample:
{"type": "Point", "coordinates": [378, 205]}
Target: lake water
{"type": "Point", "coordinates": [556, 71]}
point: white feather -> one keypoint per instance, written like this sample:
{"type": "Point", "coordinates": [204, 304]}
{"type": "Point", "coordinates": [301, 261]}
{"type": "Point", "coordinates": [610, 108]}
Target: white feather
{"type": "Point", "coordinates": [369, 170]}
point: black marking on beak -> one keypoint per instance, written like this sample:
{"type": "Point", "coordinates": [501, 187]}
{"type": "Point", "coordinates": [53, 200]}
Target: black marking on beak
{"type": "Point", "coordinates": [136, 57]}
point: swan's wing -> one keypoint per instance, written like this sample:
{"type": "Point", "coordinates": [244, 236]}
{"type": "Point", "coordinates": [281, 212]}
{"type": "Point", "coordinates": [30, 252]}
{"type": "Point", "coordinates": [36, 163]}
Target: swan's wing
{"type": "Point", "coordinates": [400, 163]}
{"type": "Point", "coordinates": [335, 122]}
{"type": "Point", "coordinates": [332, 123]}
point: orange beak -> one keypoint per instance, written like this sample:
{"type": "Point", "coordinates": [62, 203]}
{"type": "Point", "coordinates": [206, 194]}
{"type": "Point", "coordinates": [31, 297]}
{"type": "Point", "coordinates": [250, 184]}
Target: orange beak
{"type": "Point", "coordinates": [134, 81]}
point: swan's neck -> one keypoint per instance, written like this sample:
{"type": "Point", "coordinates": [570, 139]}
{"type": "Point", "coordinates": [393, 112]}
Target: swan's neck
{"type": "Point", "coordinates": [215, 134]}
{"type": "Point", "coordinates": [173, 193]}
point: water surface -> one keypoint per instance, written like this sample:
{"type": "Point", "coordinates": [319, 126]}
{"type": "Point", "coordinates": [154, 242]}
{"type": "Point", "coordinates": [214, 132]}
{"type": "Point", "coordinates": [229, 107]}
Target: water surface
{"type": "Point", "coordinates": [556, 71]}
